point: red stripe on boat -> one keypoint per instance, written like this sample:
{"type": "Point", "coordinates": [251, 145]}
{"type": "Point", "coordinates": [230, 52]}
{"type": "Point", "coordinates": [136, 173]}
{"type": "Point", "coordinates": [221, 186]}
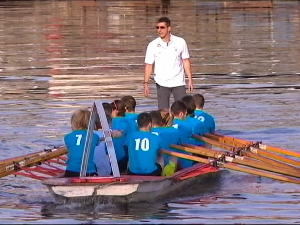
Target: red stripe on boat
{"type": "Point", "coordinates": [98, 179]}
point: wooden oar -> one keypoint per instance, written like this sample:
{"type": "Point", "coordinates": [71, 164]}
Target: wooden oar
{"type": "Point", "coordinates": [201, 151]}
{"type": "Point", "coordinates": [233, 166]}
{"type": "Point", "coordinates": [270, 161]}
{"type": "Point", "coordinates": [260, 173]}
{"type": "Point", "coordinates": [260, 145]}
{"type": "Point", "coordinates": [20, 158]}
{"type": "Point", "coordinates": [233, 139]}
{"type": "Point", "coordinates": [14, 165]}
{"type": "Point", "coordinates": [279, 150]}
{"type": "Point", "coordinates": [229, 141]}
{"type": "Point", "coordinates": [244, 152]}
{"type": "Point", "coordinates": [239, 142]}
{"type": "Point", "coordinates": [237, 159]}
{"type": "Point", "coordinates": [274, 156]}
{"type": "Point", "coordinates": [186, 156]}
{"type": "Point", "coordinates": [215, 143]}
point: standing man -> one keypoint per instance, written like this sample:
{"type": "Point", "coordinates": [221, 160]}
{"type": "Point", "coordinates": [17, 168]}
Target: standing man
{"type": "Point", "coordinates": [170, 55]}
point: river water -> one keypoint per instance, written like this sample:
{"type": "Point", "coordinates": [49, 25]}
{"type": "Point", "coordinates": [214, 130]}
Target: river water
{"type": "Point", "coordinates": [57, 56]}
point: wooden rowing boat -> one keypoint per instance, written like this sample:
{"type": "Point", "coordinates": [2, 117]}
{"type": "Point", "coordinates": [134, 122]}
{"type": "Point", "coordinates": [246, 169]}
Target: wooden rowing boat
{"type": "Point", "coordinates": [127, 188]}
{"type": "Point", "coordinates": [116, 188]}
{"type": "Point", "coordinates": [120, 188]}
{"type": "Point", "coordinates": [240, 155]}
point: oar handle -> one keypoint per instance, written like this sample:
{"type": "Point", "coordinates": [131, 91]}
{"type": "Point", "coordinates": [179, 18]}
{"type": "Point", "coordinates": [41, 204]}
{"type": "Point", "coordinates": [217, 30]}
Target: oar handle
{"type": "Point", "coordinates": [260, 173]}
{"type": "Point", "coordinates": [186, 156]}
{"type": "Point", "coordinates": [279, 150]}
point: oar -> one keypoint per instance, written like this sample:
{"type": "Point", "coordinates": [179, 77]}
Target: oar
{"type": "Point", "coordinates": [231, 141]}
{"type": "Point", "coordinates": [186, 156]}
{"type": "Point", "coordinates": [239, 142]}
{"type": "Point", "coordinates": [261, 146]}
{"type": "Point", "coordinates": [20, 158]}
{"type": "Point", "coordinates": [214, 142]}
{"type": "Point", "coordinates": [237, 159]}
{"type": "Point", "coordinates": [244, 152]}
{"type": "Point", "coordinates": [15, 165]}
{"type": "Point", "coordinates": [201, 151]}
{"type": "Point", "coordinates": [279, 150]}
{"type": "Point", "coordinates": [233, 166]}
{"type": "Point", "coordinates": [274, 156]}
{"type": "Point", "coordinates": [270, 161]}
{"type": "Point", "coordinates": [260, 173]}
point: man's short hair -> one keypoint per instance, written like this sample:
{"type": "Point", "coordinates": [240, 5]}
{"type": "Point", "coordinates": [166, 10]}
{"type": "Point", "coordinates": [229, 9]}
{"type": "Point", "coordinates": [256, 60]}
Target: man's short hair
{"type": "Point", "coordinates": [164, 20]}
{"type": "Point", "coordinates": [178, 107]}
{"type": "Point", "coordinates": [199, 100]}
{"type": "Point", "coordinates": [143, 119]}
{"type": "Point", "coordinates": [156, 117]}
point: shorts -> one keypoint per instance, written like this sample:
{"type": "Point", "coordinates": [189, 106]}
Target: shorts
{"type": "Point", "coordinates": [123, 164]}
{"type": "Point", "coordinates": [69, 173]}
{"type": "Point", "coordinates": [156, 172]}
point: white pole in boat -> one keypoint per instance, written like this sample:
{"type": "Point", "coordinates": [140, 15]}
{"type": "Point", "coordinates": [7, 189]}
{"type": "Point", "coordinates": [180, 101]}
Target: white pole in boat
{"type": "Point", "coordinates": [108, 139]}
{"type": "Point", "coordinates": [88, 141]}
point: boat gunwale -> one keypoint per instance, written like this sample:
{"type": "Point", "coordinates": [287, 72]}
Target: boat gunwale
{"type": "Point", "coordinates": [194, 171]}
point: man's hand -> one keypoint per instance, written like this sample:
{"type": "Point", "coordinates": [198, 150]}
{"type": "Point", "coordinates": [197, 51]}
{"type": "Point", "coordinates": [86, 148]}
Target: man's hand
{"type": "Point", "coordinates": [146, 89]}
{"type": "Point", "coordinates": [191, 86]}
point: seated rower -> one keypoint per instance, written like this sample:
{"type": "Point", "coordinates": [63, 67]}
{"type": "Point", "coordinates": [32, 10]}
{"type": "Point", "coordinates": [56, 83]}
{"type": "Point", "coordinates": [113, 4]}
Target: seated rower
{"type": "Point", "coordinates": [169, 135]}
{"type": "Point", "coordinates": [130, 113]}
{"type": "Point", "coordinates": [119, 122]}
{"type": "Point", "coordinates": [75, 142]}
{"type": "Point", "coordinates": [143, 149]}
{"type": "Point", "coordinates": [198, 127]}
{"type": "Point", "coordinates": [202, 115]}
{"type": "Point", "coordinates": [179, 111]}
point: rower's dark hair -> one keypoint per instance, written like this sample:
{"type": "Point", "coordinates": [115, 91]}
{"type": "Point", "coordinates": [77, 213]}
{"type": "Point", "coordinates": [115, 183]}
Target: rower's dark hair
{"type": "Point", "coordinates": [143, 119]}
{"type": "Point", "coordinates": [108, 110]}
{"type": "Point", "coordinates": [178, 107]}
{"type": "Point", "coordinates": [190, 104]}
{"type": "Point", "coordinates": [129, 102]}
{"type": "Point", "coordinates": [164, 20]}
{"type": "Point", "coordinates": [199, 100]}
{"type": "Point", "coordinates": [156, 118]}
{"type": "Point", "coordinates": [120, 106]}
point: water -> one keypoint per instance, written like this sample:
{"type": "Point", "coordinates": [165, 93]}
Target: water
{"type": "Point", "coordinates": [57, 56]}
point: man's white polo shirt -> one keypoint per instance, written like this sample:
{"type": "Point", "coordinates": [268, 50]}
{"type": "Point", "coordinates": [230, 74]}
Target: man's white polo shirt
{"type": "Point", "coordinates": [168, 67]}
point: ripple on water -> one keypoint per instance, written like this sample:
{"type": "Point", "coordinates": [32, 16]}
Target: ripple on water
{"type": "Point", "coordinates": [242, 208]}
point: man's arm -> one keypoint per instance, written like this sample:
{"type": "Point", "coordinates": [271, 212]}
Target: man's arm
{"type": "Point", "coordinates": [188, 72]}
{"type": "Point", "coordinates": [147, 75]}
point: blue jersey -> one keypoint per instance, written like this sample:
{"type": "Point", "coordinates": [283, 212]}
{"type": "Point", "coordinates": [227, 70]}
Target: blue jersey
{"type": "Point", "coordinates": [143, 148]}
{"type": "Point", "coordinates": [198, 128]}
{"type": "Point", "coordinates": [132, 118]}
{"type": "Point", "coordinates": [120, 123]}
{"type": "Point", "coordinates": [207, 119]}
{"type": "Point", "coordinates": [75, 142]}
{"type": "Point", "coordinates": [186, 132]}
{"type": "Point", "coordinates": [168, 136]}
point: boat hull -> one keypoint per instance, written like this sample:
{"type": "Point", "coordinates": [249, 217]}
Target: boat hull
{"type": "Point", "coordinates": [127, 188]}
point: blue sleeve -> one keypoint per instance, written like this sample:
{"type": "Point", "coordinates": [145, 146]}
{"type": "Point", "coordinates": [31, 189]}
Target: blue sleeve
{"type": "Point", "coordinates": [127, 140]}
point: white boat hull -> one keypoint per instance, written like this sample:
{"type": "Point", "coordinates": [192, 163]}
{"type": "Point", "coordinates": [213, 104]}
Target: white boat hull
{"type": "Point", "coordinates": [131, 189]}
